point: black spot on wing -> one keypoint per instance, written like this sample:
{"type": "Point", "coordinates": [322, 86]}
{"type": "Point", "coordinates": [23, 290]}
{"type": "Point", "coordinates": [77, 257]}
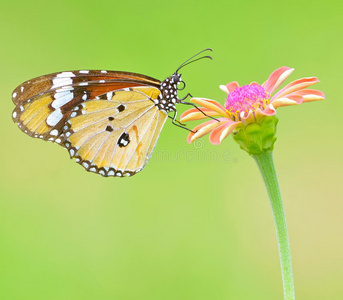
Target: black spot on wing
{"type": "Point", "coordinates": [109, 128]}
{"type": "Point", "coordinates": [124, 140]}
{"type": "Point", "coordinates": [121, 108]}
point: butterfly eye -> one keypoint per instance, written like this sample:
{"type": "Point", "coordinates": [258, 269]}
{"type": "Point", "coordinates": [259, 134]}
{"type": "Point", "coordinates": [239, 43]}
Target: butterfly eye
{"type": "Point", "coordinates": [176, 78]}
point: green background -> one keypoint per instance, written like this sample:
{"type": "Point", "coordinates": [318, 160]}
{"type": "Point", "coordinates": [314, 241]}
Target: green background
{"type": "Point", "coordinates": [191, 225]}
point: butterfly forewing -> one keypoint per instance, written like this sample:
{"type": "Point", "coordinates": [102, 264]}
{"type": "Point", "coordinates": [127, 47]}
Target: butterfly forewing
{"type": "Point", "coordinates": [43, 84]}
{"type": "Point", "coordinates": [114, 134]}
{"type": "Point", "coordinates": [44, 103]}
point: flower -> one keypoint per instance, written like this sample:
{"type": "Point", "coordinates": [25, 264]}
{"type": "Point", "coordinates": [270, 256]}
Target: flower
{"type": "Point", "coordinates": [249, 104]}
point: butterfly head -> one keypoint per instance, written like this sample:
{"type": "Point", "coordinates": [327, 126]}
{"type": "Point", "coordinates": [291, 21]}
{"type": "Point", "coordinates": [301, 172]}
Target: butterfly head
{"type": "Point", "coordinates": [175, 78]}
{"type": "Point", "coordinates": [170, 86]}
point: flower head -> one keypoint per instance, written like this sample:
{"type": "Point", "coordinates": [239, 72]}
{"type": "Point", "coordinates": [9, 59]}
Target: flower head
{"type": "Point", "coordinates": [249, 104]}
{"type": "Point", "coordinates": [245, 98]}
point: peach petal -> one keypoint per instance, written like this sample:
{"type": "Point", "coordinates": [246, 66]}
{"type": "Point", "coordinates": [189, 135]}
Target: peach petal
{"type": "Point", "coordinates": [295, 86]}
{"type": "Point", "coordinates": [203, 129]}
{"type": "Point", "coordinates": [224, 89]}
{"type": "Point", "coordinates": [259, 115]}
{"type": "Point", "coordinates": [288, 100]}
{"type": "Point", "coordinates": [210, 104]}
{"type": "Point", "coordinates": [194, 114]}
{"type": "Point", "coordinates": [231, 86]}
{"type": "Point", "coordinates": [248, 118]}
{"type": "Point", "coordinates": [310, 95]}
{"type": "Point", "coordinates": [268, 111]}
{"type": "Point", "coordinates": [192, 110]}
{"type": "Point", "coordinates": [220, 133]}
{"type": "Point", "coordinates": [276, 79]}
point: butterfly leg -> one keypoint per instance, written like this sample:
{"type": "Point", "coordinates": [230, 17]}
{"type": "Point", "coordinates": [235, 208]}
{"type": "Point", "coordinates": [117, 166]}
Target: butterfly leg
{"type": "Point", "coordinates": [184, 98]}
{"type": "Point", "coordinates": [190, 103]}
{"type": "Point", "coordinates": [174, 122]}
{"type": "Point", "coordinates": [177, 121]}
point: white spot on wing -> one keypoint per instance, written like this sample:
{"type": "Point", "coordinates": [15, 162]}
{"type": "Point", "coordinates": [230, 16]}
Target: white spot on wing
{"type": "Point", "coordinates": [62, 98]}
{"type": "Point", "coordinates": [54, 117]}
{"type": "Point", "coordinates": [14, 115]}
{"type": "Point", "coordinates": [64, 88]}
{"type": "Point", "coordinates": [66, 74]}
{"type": "Point", "coordinates": [109, 95]}
{"type": "Point", "coordinates": [84, 71]}
{"type": "Point", "coordinates": [62, 79]}
{"type": "Point", "coordinates": [103, 71]}
{"type": "Point", "coordinates": [83, 83]}
{"type": "Point", "coordinates": [54, 132]}
{"type": "Point", "coordinates": [14, 95]}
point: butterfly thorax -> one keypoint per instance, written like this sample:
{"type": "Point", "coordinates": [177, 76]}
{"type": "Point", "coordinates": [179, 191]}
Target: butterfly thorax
{"type": "Point", "coordinates": [168, 97]}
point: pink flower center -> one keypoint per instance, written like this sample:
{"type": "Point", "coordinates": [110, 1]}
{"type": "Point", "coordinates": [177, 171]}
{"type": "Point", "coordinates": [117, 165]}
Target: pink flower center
{"type": "Point", "coordinates": [246, 98]}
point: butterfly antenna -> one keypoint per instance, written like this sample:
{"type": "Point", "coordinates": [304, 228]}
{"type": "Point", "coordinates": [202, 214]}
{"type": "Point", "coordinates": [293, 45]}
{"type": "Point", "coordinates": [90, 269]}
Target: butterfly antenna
{"type": "Point", "coordinates": [194, 61]}
{"type": "Point", "coordinates": [188, 60]}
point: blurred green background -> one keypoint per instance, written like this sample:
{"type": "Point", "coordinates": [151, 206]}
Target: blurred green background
{"type": "Point", "coordinates": [191, 225]}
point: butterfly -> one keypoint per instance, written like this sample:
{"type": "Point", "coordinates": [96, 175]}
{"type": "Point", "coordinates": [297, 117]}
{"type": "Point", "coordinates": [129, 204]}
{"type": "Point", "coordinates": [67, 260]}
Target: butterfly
{"type": "Point", "coordinates": [109, 121]}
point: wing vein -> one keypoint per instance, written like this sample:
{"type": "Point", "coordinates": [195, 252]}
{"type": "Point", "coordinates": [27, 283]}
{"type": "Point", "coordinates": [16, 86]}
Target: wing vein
{"type": "Point", "coordinates": [100, 148]}
{"type": "Point", "coordinates": [147, 129]}
{"type": "Point", "coordinates": [131, 124]}
{"type": "Point", "coordinates": [30, 119]}
{"type": "Point", "coordinates": [118, 128]}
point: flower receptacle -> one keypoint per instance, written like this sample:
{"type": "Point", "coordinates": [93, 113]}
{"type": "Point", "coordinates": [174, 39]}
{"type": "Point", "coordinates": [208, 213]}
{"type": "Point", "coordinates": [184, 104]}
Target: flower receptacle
{"type": "Point", "coordinates": [259, 137]}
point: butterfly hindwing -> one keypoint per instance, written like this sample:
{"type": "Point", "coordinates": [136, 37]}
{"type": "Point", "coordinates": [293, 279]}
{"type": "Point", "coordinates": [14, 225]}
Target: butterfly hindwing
{"type": "Point", "coordinates": [43, 116]}
{"type": "Point", "coordinates": [114, 134]}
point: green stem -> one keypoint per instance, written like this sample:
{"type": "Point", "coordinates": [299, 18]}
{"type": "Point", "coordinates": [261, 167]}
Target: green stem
{"type": "Point", "coordinates": [266, 165]}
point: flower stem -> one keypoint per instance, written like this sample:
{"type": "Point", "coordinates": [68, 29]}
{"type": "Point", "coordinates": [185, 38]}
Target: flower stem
{"type": "Point", "coordinates": [265, 163]}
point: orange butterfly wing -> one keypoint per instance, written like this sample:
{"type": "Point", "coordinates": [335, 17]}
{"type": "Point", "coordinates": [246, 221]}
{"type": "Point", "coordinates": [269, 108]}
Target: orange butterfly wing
{"type": "Point", "coordinates": [115, 136]}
